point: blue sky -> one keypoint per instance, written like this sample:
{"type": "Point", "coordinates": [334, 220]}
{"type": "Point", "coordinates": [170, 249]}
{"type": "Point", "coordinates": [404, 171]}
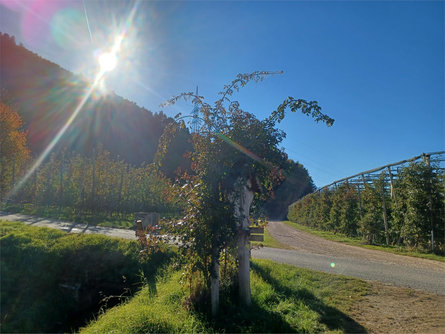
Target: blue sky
{"type": "Point", "coordinates": [377, 68]}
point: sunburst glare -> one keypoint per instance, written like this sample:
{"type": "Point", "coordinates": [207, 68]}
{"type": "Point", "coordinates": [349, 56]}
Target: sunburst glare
{"type": "Point", "coordinates": [107, 61]}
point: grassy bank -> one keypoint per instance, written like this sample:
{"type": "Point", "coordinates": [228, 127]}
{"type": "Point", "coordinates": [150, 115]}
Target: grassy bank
{"type": "Point", "coordinates": [361, 243]}
{"type": "Point", "coordinates": [52, 281]}
{"type": "Point", "coordinates": [284, 299]}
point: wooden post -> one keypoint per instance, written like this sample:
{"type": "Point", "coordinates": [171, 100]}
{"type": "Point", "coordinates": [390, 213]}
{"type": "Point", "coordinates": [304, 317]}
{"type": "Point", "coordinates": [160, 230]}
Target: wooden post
{"type": "Point", "coordinates": [60, 196]}
{"type": "Point", "coordinates": [34, 188]}
{"type": "Point", "coordinates": [385, 218]}
{"type": "Point", "coordinates": [391, 180]}
{"type": "Point", "coordinates": [427, 160]}
{"type": "Point", "coordinates": [93, 183]}
{"type": "Point", "coordinates": [48, 181]}
{"type": "Point", "coordinates": [214, 285]}
{"type": "Point", "coordinates": [82, 189]}
{"type": "Point", "coordinates": [360, 201]}
{"type": "Point", "coordinates": [61, 180]}
{"type": "Point", "coordinates": [119, 195]}
{"type": "Point", "coordinates": [242, 208]}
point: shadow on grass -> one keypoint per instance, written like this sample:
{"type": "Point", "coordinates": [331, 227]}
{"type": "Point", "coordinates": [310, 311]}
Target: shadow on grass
{"type": "Point", "coordinates": [266, 318]}
{"type": "Point", "coordinates": [333, 318]}
{"type": "Point", "coordinates": [254, 319]}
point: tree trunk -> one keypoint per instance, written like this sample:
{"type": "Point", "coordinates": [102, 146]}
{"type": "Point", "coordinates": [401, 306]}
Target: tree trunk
{"type": "Point", "coordinates": [214, 286]}
{"type": "Point", "coordinates": [243, 199]}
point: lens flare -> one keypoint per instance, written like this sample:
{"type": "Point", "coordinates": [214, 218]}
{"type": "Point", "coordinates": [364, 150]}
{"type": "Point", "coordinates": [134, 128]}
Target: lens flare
{"type": "Point", "coordinates": [107, 61]}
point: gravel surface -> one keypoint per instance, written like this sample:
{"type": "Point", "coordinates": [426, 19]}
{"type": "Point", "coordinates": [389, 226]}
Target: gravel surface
{"type": "Point", "coordinates": [313, 252]}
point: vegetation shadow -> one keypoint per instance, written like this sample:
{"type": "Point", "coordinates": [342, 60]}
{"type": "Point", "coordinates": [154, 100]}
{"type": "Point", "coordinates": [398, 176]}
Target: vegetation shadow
{"type": "Point", "coordinates": [253, 319]}
{"type": "Point", "coordinates": [333, 318]}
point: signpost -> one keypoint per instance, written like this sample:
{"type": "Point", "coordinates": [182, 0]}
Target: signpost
{"type": "Point", "coordinates": [256, 233]}
{"type": "Point", "coordinates": [147, 219]}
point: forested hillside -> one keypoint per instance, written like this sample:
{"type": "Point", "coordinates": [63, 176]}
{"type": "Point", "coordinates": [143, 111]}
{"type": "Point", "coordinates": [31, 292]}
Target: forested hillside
{"type": "Point", "coordinates": [45, 95]}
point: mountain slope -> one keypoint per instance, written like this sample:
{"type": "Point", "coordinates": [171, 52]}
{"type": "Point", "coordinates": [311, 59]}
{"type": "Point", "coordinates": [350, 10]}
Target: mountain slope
{"type": "Point", "coordinates": [45, 96]}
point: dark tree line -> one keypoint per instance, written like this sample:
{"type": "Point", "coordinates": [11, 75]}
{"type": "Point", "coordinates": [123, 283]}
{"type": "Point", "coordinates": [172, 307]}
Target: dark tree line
{"type": "Point", "coordinates": [296, 184]}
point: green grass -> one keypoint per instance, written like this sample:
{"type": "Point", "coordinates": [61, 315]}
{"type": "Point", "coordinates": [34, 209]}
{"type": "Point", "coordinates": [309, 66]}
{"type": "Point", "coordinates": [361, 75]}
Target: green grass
{"type": "Point", "coordinates": [361, 243]}
{"type": "Point", "coordinates": [269, 241]}
{"type": "Point", "coordinates": [284, 299]}
{"type": "Point", "coordinates": [52, 281]}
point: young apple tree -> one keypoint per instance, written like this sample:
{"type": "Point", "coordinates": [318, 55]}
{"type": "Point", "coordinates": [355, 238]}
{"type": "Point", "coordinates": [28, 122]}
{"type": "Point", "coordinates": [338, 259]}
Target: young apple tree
{"type": "Point", "coordinates": [235, 158]}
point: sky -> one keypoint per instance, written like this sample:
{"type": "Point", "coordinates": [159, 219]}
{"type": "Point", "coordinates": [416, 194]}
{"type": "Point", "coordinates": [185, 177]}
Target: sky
{"type": "Point", "coordinates": [376, 67]}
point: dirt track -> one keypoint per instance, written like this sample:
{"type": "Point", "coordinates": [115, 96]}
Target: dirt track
{"type": "Point", "coordinates": [309, 243]}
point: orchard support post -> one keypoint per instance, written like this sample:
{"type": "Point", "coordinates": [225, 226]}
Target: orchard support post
{"type": "Point", "coordinates": [243, 200]}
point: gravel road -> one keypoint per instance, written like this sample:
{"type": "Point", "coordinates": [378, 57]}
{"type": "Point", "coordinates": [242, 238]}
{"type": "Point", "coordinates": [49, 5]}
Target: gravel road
{"type": "Point", "coordinates": [313, 252]}
{"type": "Point", "coordinates": [69, 227]}
{"type": "Point", "coordinates": [308, 251]}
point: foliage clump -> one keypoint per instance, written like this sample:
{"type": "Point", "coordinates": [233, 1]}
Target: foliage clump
{"type": "Point", "coordinates": [14, 151]}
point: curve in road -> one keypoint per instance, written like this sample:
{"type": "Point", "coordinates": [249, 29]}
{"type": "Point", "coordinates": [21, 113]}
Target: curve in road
{"type": "Point", "coordinates": [316, 253]}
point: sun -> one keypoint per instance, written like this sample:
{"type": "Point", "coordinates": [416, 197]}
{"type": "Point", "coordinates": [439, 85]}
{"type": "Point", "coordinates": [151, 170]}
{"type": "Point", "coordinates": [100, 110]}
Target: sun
{"type": "Point", "coordinates": [107, 61]}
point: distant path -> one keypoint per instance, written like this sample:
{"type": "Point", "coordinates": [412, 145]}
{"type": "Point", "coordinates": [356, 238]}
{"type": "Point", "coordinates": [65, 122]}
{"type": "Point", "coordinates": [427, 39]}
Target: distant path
{"type": "Point", "coordinates": [309, 251]}
{"type": "Point", "coordinates": [69, 227]}
{"type": "Point", "coordinates": [313, 252]}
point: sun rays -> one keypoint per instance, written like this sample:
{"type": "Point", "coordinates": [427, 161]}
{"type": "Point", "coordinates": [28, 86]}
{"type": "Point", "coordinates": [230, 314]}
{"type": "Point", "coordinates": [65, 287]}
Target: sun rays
{"type": "Point", "coordinates": [107, 62]}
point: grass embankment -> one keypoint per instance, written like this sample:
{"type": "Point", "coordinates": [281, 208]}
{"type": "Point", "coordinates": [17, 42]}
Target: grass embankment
{"type": "Point", "coordinates": [55, 282]}
{"type": "Point", "coordinates": [284, 299]}
{"type": "Point", "coordinates": [361, 243]}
